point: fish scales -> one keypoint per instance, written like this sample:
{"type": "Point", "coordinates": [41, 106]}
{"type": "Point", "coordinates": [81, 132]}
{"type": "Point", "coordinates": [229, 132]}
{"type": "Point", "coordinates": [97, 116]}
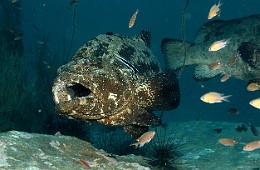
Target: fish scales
{"type": "Point", "coordinates": [240, 57]}
{"type": "Point", "coordinates": [117, 81]}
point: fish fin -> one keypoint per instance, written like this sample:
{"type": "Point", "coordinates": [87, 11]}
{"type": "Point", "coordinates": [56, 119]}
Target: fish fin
{"type": "Point", "coordinates": [226, 98]}
{"type": "Point", "coordinates": [173, 51]}
{"type": "Point", "coordinates": [203, 73]}
{"type": "Point", "coordinates": [135, 131]}
{"type": "Point", "coordinates": [145, 35]}
{"type": "Point", "coordinates": [165, 90]}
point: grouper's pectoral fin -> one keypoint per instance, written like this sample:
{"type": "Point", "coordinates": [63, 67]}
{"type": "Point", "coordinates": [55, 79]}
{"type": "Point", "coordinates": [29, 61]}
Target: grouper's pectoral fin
{"type": "Point", "coordinates": [135, 131]}
{"type": "Point", "coordinates": [203, 73]}
{"type": "Point", "coordinates": [134, 118]}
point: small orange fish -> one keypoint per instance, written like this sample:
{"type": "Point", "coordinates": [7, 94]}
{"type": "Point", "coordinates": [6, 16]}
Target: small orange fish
{"type": "Point", "coordinates": [252, 146]}
{"type": "Point", "coordinates": [217, 45]}
{"type": "Point", "coordinates": [225, 78]}
{"type": "Point", "coordinates": [232, 60]}
{"type": "Point", "coordinates": [214, 10]}
{"type": "Point", "coordinates": [227, 142]}
{"type": "Point", "coordinates": [214, 97]}
{"type": "Point", "coordinates": [254, 56]}
{"type": "Point", "coordinates": [255, 103]}
{"type": "Point", "coordinates": [253, 87]}
{"type": "Point", "coordinates": [132, 20]}
{"type": "Point", "coordinates": [215, 65]}
{"type": "Point", "coordinates": [145, 138]}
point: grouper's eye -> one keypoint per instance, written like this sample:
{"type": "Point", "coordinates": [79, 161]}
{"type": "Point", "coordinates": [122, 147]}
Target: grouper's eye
{"type": "Point", "coordinates": [77, 90]}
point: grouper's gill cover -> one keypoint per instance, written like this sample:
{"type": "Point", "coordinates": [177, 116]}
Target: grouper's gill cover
{"type": "Point", "coordinates": [97, 86]}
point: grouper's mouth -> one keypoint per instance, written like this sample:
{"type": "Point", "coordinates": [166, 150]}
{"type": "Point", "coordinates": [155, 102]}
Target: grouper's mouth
{"type": "Point", "coordinates": [68, 91]}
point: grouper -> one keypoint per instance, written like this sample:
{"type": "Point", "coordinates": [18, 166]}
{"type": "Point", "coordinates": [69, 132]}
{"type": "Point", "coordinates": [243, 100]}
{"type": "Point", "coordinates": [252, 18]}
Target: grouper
{"type": "Point", "coordinates": [240, 58]}
{"type": "Point", "coordinates": [117, 81]}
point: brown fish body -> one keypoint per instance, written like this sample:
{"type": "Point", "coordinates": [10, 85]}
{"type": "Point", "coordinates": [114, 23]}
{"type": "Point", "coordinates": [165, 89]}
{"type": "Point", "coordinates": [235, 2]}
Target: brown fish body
{"type": "Point", "coordinates": [145, 138]}
{"type": "Point", "coordinates": [227, 142]}
{"type": "Point", "coordinates": [117, 81]}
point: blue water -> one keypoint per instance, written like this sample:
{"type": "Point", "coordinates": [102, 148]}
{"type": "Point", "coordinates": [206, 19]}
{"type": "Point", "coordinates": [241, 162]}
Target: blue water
{"type": "Point", "coordinates": [163, 19]}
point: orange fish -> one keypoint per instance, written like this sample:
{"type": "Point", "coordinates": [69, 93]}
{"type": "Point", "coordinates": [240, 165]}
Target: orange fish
{"type": "Point", "coordinates": [214, 97]}
{"type": "Point", "coordinates": [215, 65]}
{"type": "Point", "coordinates": [145, 138]}
{"type": "Point", "coordinates": [255, 103]}
{"type": "Point", "coordinates": [132, 20]}
{"type": "Point", "coordinates": [217, 45]}
{"type": "Point", "coordinates": [214, 10]}
{"type": "Point", "coordinates": [253, 87]}
{"type": "Point", "coordinates": [252, 146]}
{"type": "Point", "coordinates": [227, 142]}
{"type": "Point", "coordinates": [225, 78]}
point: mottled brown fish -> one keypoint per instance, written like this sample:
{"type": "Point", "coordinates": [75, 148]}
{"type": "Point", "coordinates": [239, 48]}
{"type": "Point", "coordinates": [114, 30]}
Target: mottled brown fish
{"type": "Point", "coordinates": [243, 43]}
{"type": "Point", "coordinates": [145, 138]}
{"type": "Point", "coordinates": [117, 81]}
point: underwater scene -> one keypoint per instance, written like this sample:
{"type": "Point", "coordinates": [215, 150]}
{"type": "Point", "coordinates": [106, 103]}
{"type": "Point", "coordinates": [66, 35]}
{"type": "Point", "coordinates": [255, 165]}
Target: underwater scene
{"type": "Point", "coordinates": [130, 85]}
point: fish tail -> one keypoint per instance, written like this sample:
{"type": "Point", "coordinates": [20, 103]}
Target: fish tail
{"type": "Point", "coordinates": [173, 51]}
{"type": "Point", "coordinates": [226, 98]}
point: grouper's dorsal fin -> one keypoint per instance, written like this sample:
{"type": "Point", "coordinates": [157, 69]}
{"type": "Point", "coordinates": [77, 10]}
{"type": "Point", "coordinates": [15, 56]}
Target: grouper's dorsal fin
{"type": "Point", "coordinates": [203, 35]}
{"type": "Point", "coordinates": [145, 35]}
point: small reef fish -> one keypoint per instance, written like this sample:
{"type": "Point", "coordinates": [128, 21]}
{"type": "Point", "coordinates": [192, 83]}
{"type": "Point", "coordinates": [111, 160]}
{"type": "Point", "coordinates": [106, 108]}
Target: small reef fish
{"type": "Point", "coordinates": [18, 37]}
{"type": "Point", "coordinates": [232, 60]}
{"type": "Point", "coordinates": [253, 87]}
{"type": "Point", "coordinates": [225, 78]}
{"type": "Point", "coordinates": [253, 129]}
{"type": "Point", "coordinates": [133, 18]}
{"type": "Point", "coordinates": [227, 142]}
{"type": "Point", "coordinates": [214, 10]}
{"type": "Point", "coordinates": [233, 111]}
{"type": "Point", "coordinates": [217, 45]}
{"type": "Point", "coordinates": [84, 162]}
{"type": "Point", "coordinates": [254, 56]}
{"type": "Point", "coordinates": [255, 103]}
{"type": "Point", "coordinates": [252, 146]}
{"type": "Point", "coordinates": [145, 138]}
{"type": "Point", "coordinates": [214, 97]}
{"type": "Point", "coordinates": [215, 65]}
